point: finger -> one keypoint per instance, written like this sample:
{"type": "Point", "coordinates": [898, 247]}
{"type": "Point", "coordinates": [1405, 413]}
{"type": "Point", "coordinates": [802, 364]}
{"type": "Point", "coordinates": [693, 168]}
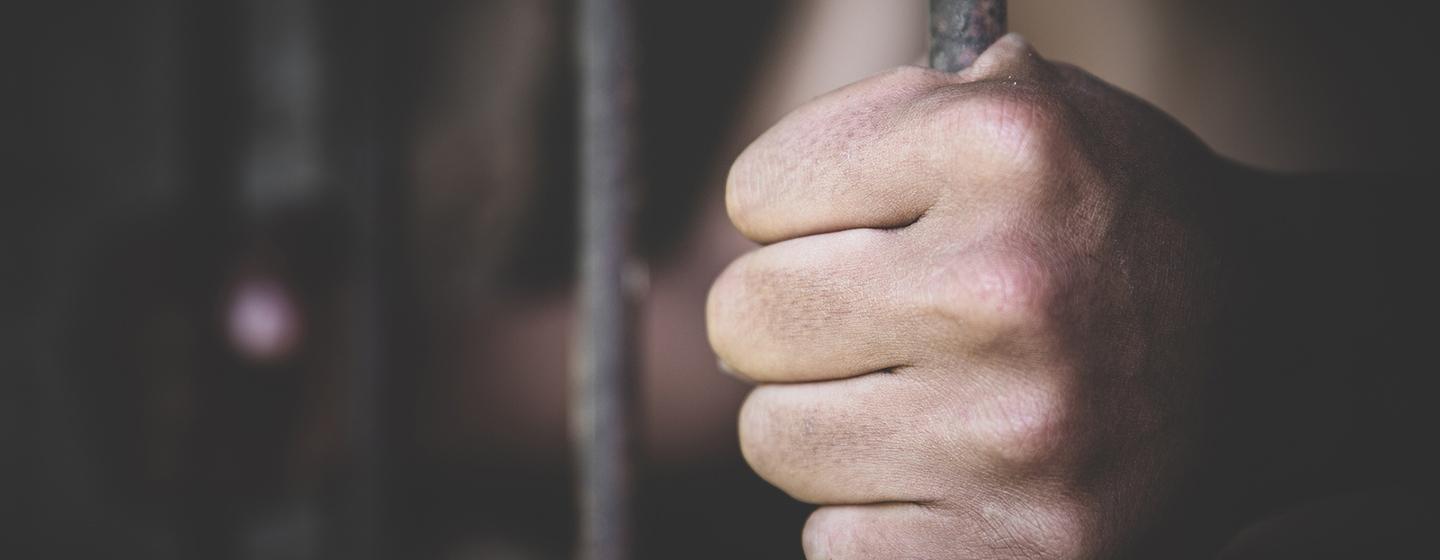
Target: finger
{"type": "Point", "coordinates": [823, 307]}
{"type": "Point", "coordinates": [1011, 57]}
{"type": "Point", "coordinates": [927, 434]}
{"type": "Point", "coordinates": [839, 162]}
{"type": "Point", "coordinates": [898, 530]}
{"type": "Point", "coordinates": [848, 303]}
{"type": "Point", "coordinates": [874, 438]}
{"type": "Point", "coordinates": [921, 531]}
{"type": "Point", "coordinates": [881, 152]}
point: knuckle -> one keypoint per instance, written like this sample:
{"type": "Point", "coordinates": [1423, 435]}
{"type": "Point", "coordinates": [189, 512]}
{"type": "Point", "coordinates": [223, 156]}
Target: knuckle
{"type": "Point", "coordinates": [896, 87]}
{"type": "Point", "coordinates": [1025, 128]}
{"type": "Point", "coordinates": [995, 295]}
{"type": "Point", "coordinates": [1019, 128]}
{"type": "Point", "coordinates": [1025, 426]}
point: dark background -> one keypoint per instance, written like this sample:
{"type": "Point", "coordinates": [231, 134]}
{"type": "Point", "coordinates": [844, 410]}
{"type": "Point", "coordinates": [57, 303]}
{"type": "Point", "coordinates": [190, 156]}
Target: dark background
{"type": "Point", "coordinates": [136, 197]}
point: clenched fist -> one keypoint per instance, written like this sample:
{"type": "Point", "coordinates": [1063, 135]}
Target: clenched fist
{"type": "Point", "coordinates": [982, 317]}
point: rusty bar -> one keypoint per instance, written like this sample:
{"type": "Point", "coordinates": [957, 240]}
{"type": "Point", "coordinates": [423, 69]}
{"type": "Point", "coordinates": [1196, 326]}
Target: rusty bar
{"type": "Point", "coordinates": [602, 385]}
{"type": "Point", "coordinates": [961, 29]}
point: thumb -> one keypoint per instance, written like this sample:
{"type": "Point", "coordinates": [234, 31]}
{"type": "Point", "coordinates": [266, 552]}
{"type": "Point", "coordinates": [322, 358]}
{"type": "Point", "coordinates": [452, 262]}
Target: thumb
{"type": "Point", "coordinates": [1010, 58]}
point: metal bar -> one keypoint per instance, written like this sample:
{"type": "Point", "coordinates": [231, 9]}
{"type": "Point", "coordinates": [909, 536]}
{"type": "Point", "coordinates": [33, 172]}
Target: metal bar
{"type": "Point", "coordinates": [962, 29]}
{"type": "Point", "coordinates": [602, 385]}
{"type": "Point", "coordinates": [283, 164]}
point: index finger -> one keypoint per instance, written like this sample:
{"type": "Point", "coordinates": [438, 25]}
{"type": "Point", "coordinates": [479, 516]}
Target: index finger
{"type": "Point", "coordinates": [882, 152]}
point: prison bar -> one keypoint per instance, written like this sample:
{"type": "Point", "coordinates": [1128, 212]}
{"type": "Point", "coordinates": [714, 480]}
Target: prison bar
{"type": "Point", "coordinates": [961, 29]}
{"type": "Point", "coordinates": [603, 374]}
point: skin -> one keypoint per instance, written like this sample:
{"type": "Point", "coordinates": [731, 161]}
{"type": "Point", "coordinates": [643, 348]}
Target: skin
{"type": "Point", "coordinates": [982, 323]}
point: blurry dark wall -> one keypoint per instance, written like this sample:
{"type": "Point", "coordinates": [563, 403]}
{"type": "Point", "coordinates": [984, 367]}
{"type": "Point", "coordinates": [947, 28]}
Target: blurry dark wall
{"type": "Point", "coordinates": [134, 428]}
{"type": "Point", "coordinates": [163, 157]}
{"type": "Point", "coordinates": [1293, 85]}
{"type": "Point", "coordinates": [88, 141]}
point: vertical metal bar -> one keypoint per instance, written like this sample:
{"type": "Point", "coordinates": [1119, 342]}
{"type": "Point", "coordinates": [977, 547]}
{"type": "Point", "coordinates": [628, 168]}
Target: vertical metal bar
{"type": "Point", "coordinates": [961, 29]}
{"type": "Point", "coordinates": [602, 385]}
{"type": "Point", "coordinates": [283, 162]}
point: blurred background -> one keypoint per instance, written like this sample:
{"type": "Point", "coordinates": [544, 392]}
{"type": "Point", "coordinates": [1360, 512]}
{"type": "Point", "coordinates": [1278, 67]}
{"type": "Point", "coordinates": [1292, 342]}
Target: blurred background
{"type": "Point", "coordinates": [291, 279]}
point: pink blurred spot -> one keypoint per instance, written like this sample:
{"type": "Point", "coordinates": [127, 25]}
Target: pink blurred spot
{"type": "Point", "coordinates": [262, 320]}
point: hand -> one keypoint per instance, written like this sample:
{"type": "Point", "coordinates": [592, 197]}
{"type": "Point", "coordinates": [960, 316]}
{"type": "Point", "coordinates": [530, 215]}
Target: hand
{"type": "Point", "coordinates": [981, 325]}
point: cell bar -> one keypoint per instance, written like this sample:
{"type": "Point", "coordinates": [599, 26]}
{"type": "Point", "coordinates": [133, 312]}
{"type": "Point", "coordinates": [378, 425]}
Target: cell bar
{"type": "Point", "coordinates": [602, 384]}
{"type": "Point", "coordinates": [962, 29]}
